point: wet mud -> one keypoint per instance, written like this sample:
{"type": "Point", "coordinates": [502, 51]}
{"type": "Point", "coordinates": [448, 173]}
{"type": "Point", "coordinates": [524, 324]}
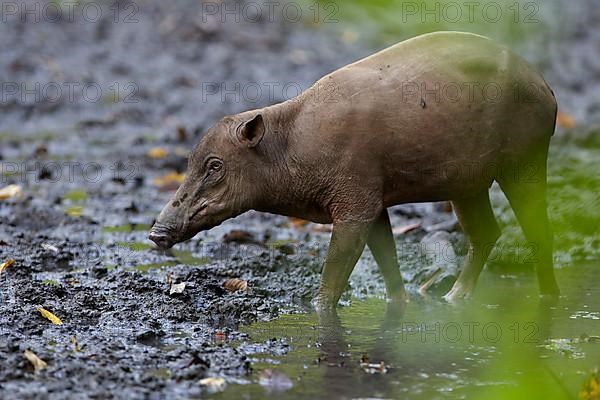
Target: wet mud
{"type": "Point", "coordinates": [90, 193]}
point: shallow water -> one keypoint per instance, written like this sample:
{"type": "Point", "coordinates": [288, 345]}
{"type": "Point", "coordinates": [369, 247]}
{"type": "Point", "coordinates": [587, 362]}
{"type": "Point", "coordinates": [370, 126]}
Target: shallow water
{"type": "Point", "coordinates": [505, 343]}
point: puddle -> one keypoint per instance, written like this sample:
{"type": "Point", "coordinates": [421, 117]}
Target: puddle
{"type": "Point", "coordinates": [42, 136]}
{"type": "Point", "coordinates": [505, 343]}
{"type": "Point", "coordinates": [187, 257]}
{"type": "Point", "coordinates": [175, 257]}
{"type": "Point", "coordinates": [160, 373]}
{"type": "Point", "coordinates": [135, 246]}
{"type": "Point", "coordinates": [73, 201]}
{"type": "Point", "coordinates": [131, 227]}
{"type": "Point", "coordinates": [74, 211]}
{"type": "Point", "coordinates": [181, 257]}
{"type": "Point", "coordinates": [76, 196]}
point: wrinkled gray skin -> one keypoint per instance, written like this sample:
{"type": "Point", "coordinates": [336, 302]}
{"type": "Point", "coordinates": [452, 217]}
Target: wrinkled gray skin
{"type": "Point", "coordinates": [437, 117]}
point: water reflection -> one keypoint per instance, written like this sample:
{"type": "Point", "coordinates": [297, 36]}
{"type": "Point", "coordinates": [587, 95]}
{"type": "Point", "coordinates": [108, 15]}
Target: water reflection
{"type": "Point", "coordinates": [339, 358]}
{"type": "Point", "coordinates": [495, 346]}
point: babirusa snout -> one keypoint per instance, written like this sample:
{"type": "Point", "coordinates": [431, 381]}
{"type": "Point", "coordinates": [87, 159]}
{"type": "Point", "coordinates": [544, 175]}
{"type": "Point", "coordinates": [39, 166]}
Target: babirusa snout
{"type": "Point", "coordinates": [166, 231]}
{"type": "Point", "coordinates": [162, 236]}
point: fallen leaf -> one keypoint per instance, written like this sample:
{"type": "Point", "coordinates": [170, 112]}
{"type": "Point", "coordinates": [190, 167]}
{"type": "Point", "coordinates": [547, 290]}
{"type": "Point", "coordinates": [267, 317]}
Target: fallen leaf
{"type": "Point", "coordinates": [590, 389]}
{"type": "Point", "coordinates": [6, 264]}
{"type": "Point", "coordinates": [40, 151]}
{"type": "Point", "coordinates": [380, 368]}
{"type": "Point", "coordinates": [49, 316]}
{"type": "Point", "coordinates": [285, 248]}
{"type": "Point", "coordinates": [429, 282]}
{"type": "Point", "coordinates": [177, 288]}
{"type": "Point", "coordinates": [168, 182]}
{"type": "Point", "coordinates": [213, 384]}
{"type": "Point", "coordinates": [239, 236]}
{"type": "Point", "coordinates": [74, 211]}
{"type": "Point", "coordinates": [565, 120]}
{"type": "Point", "coordinates": [297, 222]}
{"type": "Point", "coordinates": [49, 247]}
{"type": "Point", "coordinates": [181, 133]}
{"type": "Point", "coordinates": [406, 228]}
{"type": "Point", "coordinates": [235, 284]}
{"type": "Point", "coordinates": [157, 152]}
{"type": "Point", "coordinates": [10, 192]}
{"type": "Point", "coordinates": [220, 337]}
{"type": "Point", "coordinates": [76, 346]}
{"type": "Point", "coordinates": [38, 363]}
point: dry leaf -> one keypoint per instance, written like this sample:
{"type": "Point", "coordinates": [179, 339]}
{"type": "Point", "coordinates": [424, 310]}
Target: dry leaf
{"type": "Point", "coordinates": [157, 152]}
{"type": "Point", "coordinates": [75, 344]}
{"type": "Point", "coordinates": [286, 248]}
{"type": "Point", "coordinates": [590, 389]}
{"type": "Point", "coordinates": [49, 316]}
{"type": "Point", "coordinates": [11, 191]}
{"type": "Point", "coordinates": [168, 182]}
{"type": "Point", "coordinates": [50, 247]}
{"type": "Point", "coordinates": [297, 222]}
{"type": "Point", "coordinates": [6, 264]}
{"type": "Point", "coordinates": [40, 151]}
{"type": "Point", "coordinates": [565, 120]}
{"type": "Point", "coordinates": [380, 368]}
{"type": "Point", "coordinates": [181, 133]}
{"type": "Point", "coordinates": [177, 288]}
{"type": "Point", "coordinates": [406, 228]}
{"type": "Point", "coordinates": [38, 363]}
{"type": "Point", "coordinates": [424, 287]}
{"type": "Point", "coordinates": [74, 211]}
{"type": "Point", "coordinates": [239, 236]}
{"type": "Point", "coordinates": [213, 384]}
{"type": "Point", "coordinates": [220, 336]}
{"type": "Point", "coordinates": [235, 284]}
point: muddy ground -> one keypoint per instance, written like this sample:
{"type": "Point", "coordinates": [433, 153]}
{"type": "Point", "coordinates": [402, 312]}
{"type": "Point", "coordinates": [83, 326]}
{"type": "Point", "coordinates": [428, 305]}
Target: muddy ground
{"type": "Point", "coordinates": [78, 233]}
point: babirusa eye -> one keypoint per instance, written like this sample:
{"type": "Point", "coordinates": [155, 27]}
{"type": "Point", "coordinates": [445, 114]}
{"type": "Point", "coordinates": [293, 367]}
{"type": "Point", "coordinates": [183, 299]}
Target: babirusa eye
{"type": "Point", "coordinates": [214, 165]}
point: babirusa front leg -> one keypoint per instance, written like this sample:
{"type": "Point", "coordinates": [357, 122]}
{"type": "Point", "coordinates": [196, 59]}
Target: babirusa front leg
{"type": "Point", "coordinates": [347, 243]}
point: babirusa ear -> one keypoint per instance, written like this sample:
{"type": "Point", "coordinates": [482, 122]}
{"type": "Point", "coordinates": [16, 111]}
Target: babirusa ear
{"type": "Point", "coordinates": [251, 132]}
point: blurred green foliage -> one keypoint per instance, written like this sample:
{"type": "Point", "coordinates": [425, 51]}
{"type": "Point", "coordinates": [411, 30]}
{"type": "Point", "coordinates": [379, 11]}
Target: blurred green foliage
{"type": "Point", "coordinates": [390, 21]}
